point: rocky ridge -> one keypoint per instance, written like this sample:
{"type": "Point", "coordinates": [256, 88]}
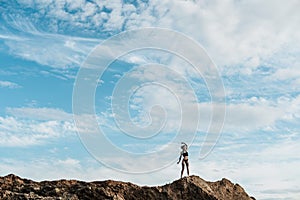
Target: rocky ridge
{"type": "Point", "coordinates": [13, 187]}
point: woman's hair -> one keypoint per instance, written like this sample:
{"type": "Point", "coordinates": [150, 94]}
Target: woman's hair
{"type": "Point", "coordinates": [184, 146]}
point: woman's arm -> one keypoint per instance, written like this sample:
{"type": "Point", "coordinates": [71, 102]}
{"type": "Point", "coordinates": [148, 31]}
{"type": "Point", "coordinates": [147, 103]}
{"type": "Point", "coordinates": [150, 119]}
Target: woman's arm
{"type": "Point", "coordinates": [179, 158]}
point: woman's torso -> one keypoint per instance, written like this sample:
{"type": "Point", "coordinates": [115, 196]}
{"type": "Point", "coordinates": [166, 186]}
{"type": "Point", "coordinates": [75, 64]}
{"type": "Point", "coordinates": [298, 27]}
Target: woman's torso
{"type": "Point", "coordinates": [185, 155]}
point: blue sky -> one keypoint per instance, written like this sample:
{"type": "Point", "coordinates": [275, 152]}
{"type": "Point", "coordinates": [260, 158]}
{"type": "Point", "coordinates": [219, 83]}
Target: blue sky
{"type": "Point", "coordinates": [254, 45]}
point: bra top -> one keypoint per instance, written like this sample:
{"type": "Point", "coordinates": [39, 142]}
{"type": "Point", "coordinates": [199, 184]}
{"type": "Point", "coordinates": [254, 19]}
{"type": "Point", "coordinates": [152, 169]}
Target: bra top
{"type": "Point", "coordinates": [185, 154]}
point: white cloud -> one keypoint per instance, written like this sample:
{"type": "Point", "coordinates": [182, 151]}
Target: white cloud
{"type": "Point", "coordinates": [18, 133]}
{"type": "Point", "coordinates": [34, 126]}
{"type": "Point", "coordinates": [244, 117]}
{"type": "Point", "coordinates": [234, 32]}
{"type": "Point", "coordinates": [158, 86]}
{"type": "Point", "coordinates": [286, 74]}
{"type": "Point", "coordinates": [44, 47]}
{"type": "Point", "coordinates": [8, 84]}
{"type": "Point", "coordinates": [52, 50]}
{"type": "Point", "coordinates": [40, 113]}
{"type": "Point", "coordinates": [69, 163]}
{"type": "Point", "coordinates": [256, 114]}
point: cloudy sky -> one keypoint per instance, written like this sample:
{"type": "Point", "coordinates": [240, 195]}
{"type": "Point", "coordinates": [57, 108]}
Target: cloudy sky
{"type": "Point", "coordinates": [254, 46]}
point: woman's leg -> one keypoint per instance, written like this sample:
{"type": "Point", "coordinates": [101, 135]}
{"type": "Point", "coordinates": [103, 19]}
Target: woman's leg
{"type": "Point", "coordinates": [187, 167]}
{"type": "Point", "coordinates": [182, 168]}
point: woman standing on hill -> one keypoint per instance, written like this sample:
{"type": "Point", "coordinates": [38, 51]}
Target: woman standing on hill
{"type": "Point", "coordinates": [185, 159]}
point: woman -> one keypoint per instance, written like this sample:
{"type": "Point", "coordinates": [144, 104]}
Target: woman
{"type": "Point", "coordinates": [185, 159]}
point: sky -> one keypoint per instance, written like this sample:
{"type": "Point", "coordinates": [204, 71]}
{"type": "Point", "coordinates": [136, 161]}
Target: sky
{"type": "Point", "coordinates": [249, 92]}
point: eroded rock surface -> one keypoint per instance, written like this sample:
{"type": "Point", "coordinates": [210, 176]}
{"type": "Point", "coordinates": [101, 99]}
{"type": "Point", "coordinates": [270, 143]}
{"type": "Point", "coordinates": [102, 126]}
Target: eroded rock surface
{"type": "Point", "coordinates": [13, 188]}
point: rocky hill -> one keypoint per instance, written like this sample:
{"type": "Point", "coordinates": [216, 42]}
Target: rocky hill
{"type": "Point", "coordinates": [193, 187]}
